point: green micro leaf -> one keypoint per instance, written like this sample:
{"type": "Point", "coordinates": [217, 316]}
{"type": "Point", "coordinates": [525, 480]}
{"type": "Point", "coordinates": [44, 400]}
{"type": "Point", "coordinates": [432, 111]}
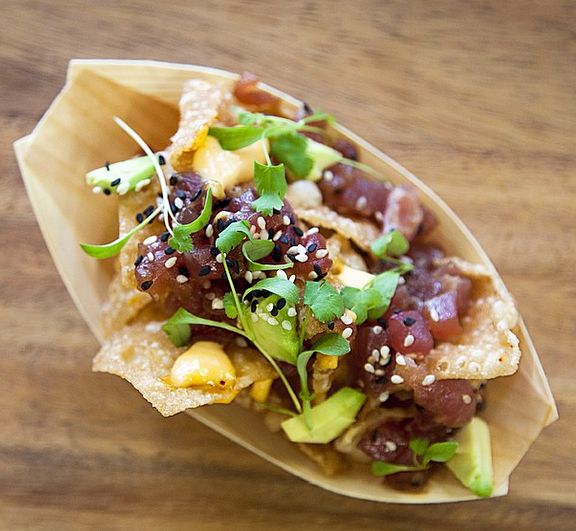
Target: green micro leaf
{"type": "Point", "coordinates": [360, 301]}
{"type": "Point", "coordinates": [290, 149]}
{"type": "Point", "coordinates": [181, 240]}
{"type": "Point", "coordinates": [230, 306]}
{"type": "Point", "coordinates": [239, 136]}
{"type": "Point", "coordinates": [419, 446]}
{"type": "Point", "coordinates": [385, 284]}
{"type": "Point", "coordinates": [255, 249]}
{"type": "Point", "coordinates": [271, 187]}
{"type": "Point", "coordinates": [178, 330]}
{"type": "Point", "coordinates": [108, 250]}
{"type": "Point", "coordinates": [324, 300]}
{"type": "Point", "coordinates": [331, 344]}
{"type": "Point", "coordinates": [394, 243]}
{"type": "Point", "coordinates": [279, 286]}
{"type": "Point", "coordinates": [232, 235]}
{"type": "Point", "coordinates": [381, 468]}
{"type": "Point", "coordinates": [440, 452]}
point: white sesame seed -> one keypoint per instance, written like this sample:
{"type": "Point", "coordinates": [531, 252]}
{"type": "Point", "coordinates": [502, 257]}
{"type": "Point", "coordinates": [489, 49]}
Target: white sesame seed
{"type": "Point", "coordinates": [181, 279]}
{"type": "Point", "coordinates": [261, 222]}
{"type": "Point", "coordinates": [300, 249]}
{"type": "Point", "coordinates": [434, 315]}
{"type": "Point", "coordinates": [401, 280]}
{"type": "Point", "coordinates": [269, 306]}
{"type": "Point", "coordinates": [391, 446]}
{"type": "Point", "coordinates": [292, 312]}
{"type": "Point", "coordinates": [219, 258]}
{"type": "Point", "coordinates": [254, 317]}
{"type": "Point", "coordinates": [380, 372]}
{"type": "Point", "coordinates": [281, 274]}
{"type": "Point", "coordinates": [383, 396]}
{"type": "Point", "coordinates": [346, 319]}
{"type": "Point", "coordinates": [313, 276]}
{"type": "Point", "coordinates": [273, 321]}
{"type": "Point", "coordinates": [292, 250]}
{"type": "Point", "coordinates": [321, 253]}
{"type": "Point", "coordinates": [429, 379]}
{"type": "Point", "coordinates": [277, 236]}
{"type": "Point", "coordinates": [292, 278]}
{"type": "Point", "coordinates": [252, 229]}
{"type": "Point", "coordinates": [178, 203]}
{"type": "Point", "coordinates": [150, 240]}
{"type": "Point", "coordinates": [346, 333]}
{"type": "Point", "coordinates": [328, 175]}
{"type": "Point", "coordinates": [396, 379]}
{"type": "Point", "coordinates": [384, 360]}
{"type": "Point", "coordinates": [408, 340]}
{"type": "Point", "coordinates": [123, 188]}
{"type": "Point", "coordinates": [249, 277]}
{"type": "Point", "coordinates": [384, 351]}
{"type": "Point", "coordinates": [301, 258]}
{"type": "Point", "coordinates": [311, 231]}
{"type": "Point", "coordinates": [377, 329]}
{"type": "Point", "coordinates": [467, 399]}
{"type": "Point", "coordinates": [379, 216]}
{"type": "Point", "coordinates": [264, 234]}
{"type": "Point", "coordinates": [473, 366]}
{"type": "Point", "coordinates": [97, 189]}
{"type": "Point", "coordinates": [241, 342]}
{"type": "Point", "coordinates": [369, 368]}
{"type": "Point", "coordinates": [287, 325]}
{"type": "Point", "coordinates": [217, 304]}
{"type": "Point", "coordinates": [209, 231]}
{"type": "Point", "coordinates": [150, 257]}
{"type": "Point", "coordinates": [400, 360]}
{"type": "Point", "coordinates": [170, 262]}
{"type": "Point", "coordinates": [376, 354]}
{"type": "Point", "coordinates": [258, 275]}
{"type": "Point", "coordinates": [371, 360]}
{"type": "Point", "coordinates": [361, 203]}
{"type": "Point", "coordinates": [141, 184]}
{"type": "Point", "coordinates": [286, 220]}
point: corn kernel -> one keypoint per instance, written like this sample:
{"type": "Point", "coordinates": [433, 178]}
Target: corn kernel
{"type": "Point", "coordinates": [325, 363]}
{"type": "Point", "coordinates": [204, 364]}
{"type": "Point", "coordinates": [260, 390]}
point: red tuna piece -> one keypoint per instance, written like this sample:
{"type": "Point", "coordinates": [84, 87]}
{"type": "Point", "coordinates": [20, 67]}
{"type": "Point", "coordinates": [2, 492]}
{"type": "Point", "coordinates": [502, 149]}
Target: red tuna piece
{"type": "Point", "coordinates": [441, 314]}
{"type": "Point", "coordinates": [408, 333]}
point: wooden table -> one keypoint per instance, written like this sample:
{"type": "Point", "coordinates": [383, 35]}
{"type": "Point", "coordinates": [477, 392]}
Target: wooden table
{"type": "Point", "coordinates": [476, 98]}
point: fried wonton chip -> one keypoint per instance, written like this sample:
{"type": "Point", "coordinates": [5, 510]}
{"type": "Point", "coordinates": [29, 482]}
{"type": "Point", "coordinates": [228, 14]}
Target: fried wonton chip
{"type": "Point", "coordinates": [362, 233]}
{"type": "Point", "coordinates": [340, 249]}
{"type": "Point", "coordinates": [143, 355]}
{"type": "Point", "coordinates": [488, 347]}
{"type": "Point", "coordinates": [200, 105]}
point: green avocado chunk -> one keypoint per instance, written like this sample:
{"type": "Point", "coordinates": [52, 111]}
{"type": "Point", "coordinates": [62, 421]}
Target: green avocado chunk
{"type": "Point", "coordinates": [329, 419]}
{"type": "Point", "coordinates": [323, 157]}
{"type": "Point", "coordinates": [274, 326]}
{"type": "Point", "coordinates": [121, 177]}
{"type": "Point", "coordinates": [472, 463]}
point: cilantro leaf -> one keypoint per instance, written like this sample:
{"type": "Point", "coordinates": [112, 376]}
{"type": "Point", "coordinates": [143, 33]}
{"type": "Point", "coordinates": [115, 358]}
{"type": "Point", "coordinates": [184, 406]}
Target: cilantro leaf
{"type": "Point", "coordinates": [381, 468]}
{"type": "Point", "coordinates": [419, 445]}
{"type": "Point", "coordinates": [271, 186]}
{"type": "Point", "coordinates": [230, 306]}
{"type": "Point", "coordinates": [232, 235]}
{"type": "Point", "coordinates": [108, 250]}
{"type": "Point", "coordinates": [360, 301]}
{"type": "Point", "coordinates": [279, 286]}
{"type": "Point", "coordinates": [178, 330]}
{"type": "Point", "coordinates": [440, 452]}
{"type": "Point", "coordinates": [324, 300]}
{"type": "Point", "coordinates": [394, 243]}
{"type": "Point", "coordinates": [290, 149]}
{"type": "Point", "coordinates": [385, 284]}
{"type": "Point", "coordinates": [255, 249]}
{"type": "Point", "coordinates": [181, 240]}
{"type": "Point", "coordinates": [232, 138]}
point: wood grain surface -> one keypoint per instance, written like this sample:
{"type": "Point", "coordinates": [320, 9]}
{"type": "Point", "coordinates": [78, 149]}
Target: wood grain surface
{"type": "Point", "coordinates": [476, 98]}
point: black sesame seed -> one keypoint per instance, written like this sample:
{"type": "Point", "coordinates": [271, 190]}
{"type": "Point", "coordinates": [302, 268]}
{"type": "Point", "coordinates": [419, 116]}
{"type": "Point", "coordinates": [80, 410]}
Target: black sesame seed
{"type": "Point", "coordinates": [204, 270]}
{"type": "Point", "coordinates": [274, 311]}
{"type": "Point", "coordinates": [229, 262]}
{"type": "Point", "coordinates": [107, 164]}
{"type": "Point", "coordinates": [381, 380]}
{"type": "Point", "coordinates": [173, 180]}
{"type": "Point", "coordinates": [181, 194]}
{"type": "Point", "coordinates": [174, 208]}
{"type": "Point", "coordinates": [254, 305]}
{"type": "Point", "coordinates": [169, 250]}
{"type": "Point", "coordinates": [236, 266]}
{"type": "Point", "coordinates": [266, 293]}
{"type": "Point", "coordinates": [308, 109]}
{"type": "Point", "coordinates": [138, 261]}
{"type": "Point", "coordinates": [271, 233]}
{"type": "Point", "coordinates": [299, 231]}
{"type": "Point", "coordinates": [284, 239]}
{"type": "Point", "coordinates": [164, 236]}
{"type": "Point", "coordinates": [223, 203]}
{"type": "Point", "coordinates": [408, 321]}
{"type": "Point", "coordinates": [312, 247]}
{"type": "Point", "coordinates": [292, 257]}
{"type": "Point", "coordinates": [331, 325]}
{"type": "Point", "coordinates": [321, 276]}
{"type": "Point", "coordinates": [275, 211]}
{"type": "Point", "coordinates": [106, 191]}
{"type": "Point", "coordinates": [183, 270]}
{"type": "Point", "coordinates": [139, 217]}
{"type": "Point", "coordinates": [161, 160]}
{"type": "Point", "coordinates": [196, 195]}
{"type": "Point", "coordinates": [281, 303]}
{"type": "Point", "coordinates": [115, 182]}
{"type": "Point", "coordinates": [317, 270]}
{"type": "Point", "coordinates": [148, 210]}
{"type": "Point", "coordinates": [383, 323]}
{"type": "Point", "coordinates": [256, 293]}
{"type": "Point", "coordinates": [146, 285]}
{"type": "Point", "coordinates": [214, 252]}
{"type": "Point", "coordinates": [276, 254]}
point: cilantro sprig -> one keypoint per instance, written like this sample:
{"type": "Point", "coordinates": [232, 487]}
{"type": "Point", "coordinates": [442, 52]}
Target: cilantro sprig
{"type": "Point", "coordinates": [180, 240]}
{"type": "Point", "coordinates": [324, 300]}
{"type": "Point", "coordinates": [424, 454]}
